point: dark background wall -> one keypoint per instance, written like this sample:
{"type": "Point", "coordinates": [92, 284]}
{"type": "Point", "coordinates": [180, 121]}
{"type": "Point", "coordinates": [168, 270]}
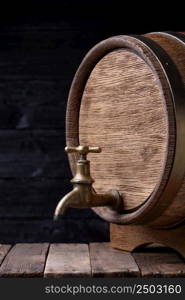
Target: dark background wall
{"type": "Point", "coordinates": [41, 46]}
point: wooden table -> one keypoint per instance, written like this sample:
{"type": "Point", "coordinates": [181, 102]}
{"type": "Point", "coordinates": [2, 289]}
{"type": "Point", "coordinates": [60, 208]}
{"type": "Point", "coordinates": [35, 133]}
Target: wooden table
{"type": "Point", "coordinates": [87, 260]}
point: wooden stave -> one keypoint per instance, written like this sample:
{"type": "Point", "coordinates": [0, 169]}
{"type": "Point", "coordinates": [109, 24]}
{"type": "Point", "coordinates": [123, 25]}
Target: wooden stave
{"type": "Point", "coordinates": [176, 211]}
{"type": "Point", "coordinates": [142, 216]}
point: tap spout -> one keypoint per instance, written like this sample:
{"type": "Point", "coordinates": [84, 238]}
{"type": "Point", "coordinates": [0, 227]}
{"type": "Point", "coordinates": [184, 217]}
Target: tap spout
{"type": "Point", "coordinates": [83, 194]}
{"type": "Point", "coordinates": [67, 201]}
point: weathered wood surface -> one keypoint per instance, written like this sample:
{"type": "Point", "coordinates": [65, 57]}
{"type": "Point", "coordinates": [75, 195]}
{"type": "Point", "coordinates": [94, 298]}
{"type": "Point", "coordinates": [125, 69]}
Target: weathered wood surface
{"type": "Point", "coordinates": [176, 50]}
{"type": "Point", "coordinates": [66, 260]}
{"type": "Point", "coordinates": [175, 210]}
{"type": "Point", "coordinates": [122, 111]}
{"type": "Point", "coordinates": [83, 260]}
{"type": "Point", "coordinates": [25, 260]}
{"type": "Point", "coordinates": [157, 264]}
{"type": "Point", "coordinates": [130, 237]}
{"type": "Point", "coordinates": [3, 252]}
{"type": "Point", "coordinates": [109, 262]}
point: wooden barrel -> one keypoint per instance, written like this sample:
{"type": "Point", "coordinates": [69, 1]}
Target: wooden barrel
{"type": "Point", "coordinates": [128, 97]}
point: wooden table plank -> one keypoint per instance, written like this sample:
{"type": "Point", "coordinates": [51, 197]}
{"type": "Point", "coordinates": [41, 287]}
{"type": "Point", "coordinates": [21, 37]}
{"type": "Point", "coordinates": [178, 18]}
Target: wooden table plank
{"type": "Point", "coordinates": [109, 262]}
{"type": "Point", "coordinates": [25, 260]}
{"type": "Point", "coordinates": [73, 260]}
{"type": "Point", "coordinates": [161, 262]}
{"type": "Point", "coordinates": [68, 260]}
{"type": "Point", "coordinates": [3, 251]}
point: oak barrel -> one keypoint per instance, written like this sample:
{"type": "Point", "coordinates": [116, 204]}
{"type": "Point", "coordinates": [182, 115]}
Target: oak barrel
{"type": "Point", "coordinates": [128, 97]}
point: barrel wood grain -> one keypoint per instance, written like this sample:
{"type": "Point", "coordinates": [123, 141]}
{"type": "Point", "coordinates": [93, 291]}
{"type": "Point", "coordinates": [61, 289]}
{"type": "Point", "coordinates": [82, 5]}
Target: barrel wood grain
{"type": "Point", "coordinates": [176, 50]}
{"type": "Point", "coordinates": [68, 260]}
{"type": "Point", "coordinates": [4, 249]}
{"type": "Point", "coordinates": [25, 260]}
{"type": "Point", "coordinates": [122, 111]}
{"type": "Point", "coordinates": [109, 262]}
{"type": "Point", "coordinates": [130, 237]}
{"type": "Point", "coordinates": [175, 212]}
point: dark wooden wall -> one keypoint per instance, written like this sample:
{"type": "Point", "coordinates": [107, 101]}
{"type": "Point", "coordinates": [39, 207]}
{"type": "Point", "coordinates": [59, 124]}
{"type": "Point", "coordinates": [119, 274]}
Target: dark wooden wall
{"type": "Point", "coordinates": [40, 49]}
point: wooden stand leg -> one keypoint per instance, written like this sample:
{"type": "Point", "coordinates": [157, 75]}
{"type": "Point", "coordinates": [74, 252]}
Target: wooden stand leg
{"type": "Point", "coordinates": [129, 237]}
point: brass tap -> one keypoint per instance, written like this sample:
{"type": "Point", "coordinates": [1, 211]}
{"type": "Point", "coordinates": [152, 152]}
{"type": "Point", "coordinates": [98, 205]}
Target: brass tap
{"type": "Point", "coordinates": [83, 195]}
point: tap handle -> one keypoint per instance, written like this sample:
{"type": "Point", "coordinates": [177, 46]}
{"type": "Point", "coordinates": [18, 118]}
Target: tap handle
{"type": "Point", "coordinates": [83, 150]}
